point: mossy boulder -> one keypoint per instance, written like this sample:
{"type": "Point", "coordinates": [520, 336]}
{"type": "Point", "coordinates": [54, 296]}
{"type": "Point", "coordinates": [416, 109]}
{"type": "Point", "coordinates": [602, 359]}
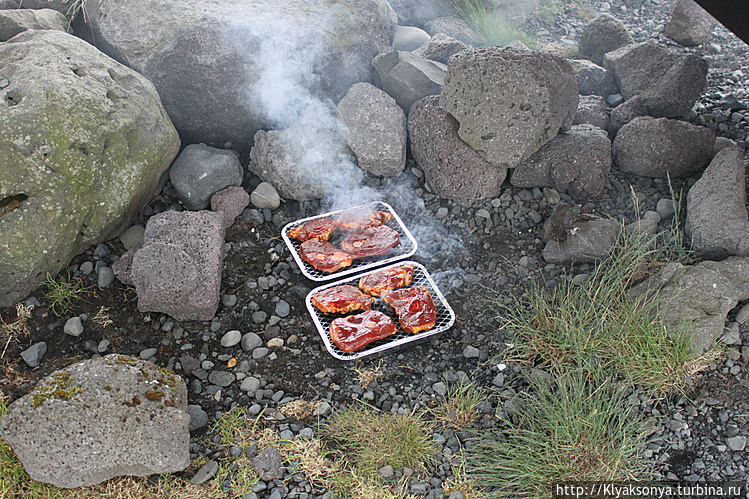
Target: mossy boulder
{"type": "Point", "coordinates": [99, 419]}
{"type": "Point", "coordinates": [228, 68]}
{"type": "Point", "coordinates": [85, 144]}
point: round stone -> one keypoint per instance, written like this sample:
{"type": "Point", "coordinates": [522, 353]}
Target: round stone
{"type": "Point", "coordinates": [265, 196]}
{"type": "Point", "coordinates": [231, 338]}
{"type": "Point", "coordinates": [147, 353]}
{"type": "Point", "coordinates": [221, 378]}
{"type": "Point", "coordinates": [133, 237]}
{"type": "Point", "coordinates": [251, 341]}
{"type": "Point", "coordinates": [283, 309]}
{"type": "Point", "coordinates": [198, 417]}
{"type": "Point", "coordinates": [106, 277]}
{"type": "Point", "coordinates": [73, 327]}
{"type": "Point", "coordinates": [250, 384]}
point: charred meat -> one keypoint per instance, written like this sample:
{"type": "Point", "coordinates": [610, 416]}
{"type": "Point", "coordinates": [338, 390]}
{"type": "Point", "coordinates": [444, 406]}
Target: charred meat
{"type": "Point", "coordinates": [362, 218]}
{"type": "Point", "coordinates": [319, 228]}
{"type": "Point", "coordinates": [374, 241]}
{"type": "Point", "coordinates": [414, 306]}
{"type": "Point", "coordinates": [354, 332]}
{"type": "Point", "coordinates": [324, 256]}
{"type": "Point", "coordinates": [387, 279]}
{"type": "Point", "coordinates": [341, 300]}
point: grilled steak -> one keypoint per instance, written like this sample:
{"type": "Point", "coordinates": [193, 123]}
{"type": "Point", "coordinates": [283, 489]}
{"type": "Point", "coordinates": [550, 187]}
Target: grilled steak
{"type": "Point", "coordinates": [319, 228]}
{"type": "Point", "coordinates": [324, 256]}
{"type": "Point", "coordinates": [341, 300]}
{"type": "Point", "coordinates": [373, 241]}
{"type": "Point", "coordinates": [414, 306]}
{"type": "Point", "coordinates": [387, 279]}
{"type": "Point", "coordinates": [354, 332]}
{"type": "Point", "coordinates": [361, 218]}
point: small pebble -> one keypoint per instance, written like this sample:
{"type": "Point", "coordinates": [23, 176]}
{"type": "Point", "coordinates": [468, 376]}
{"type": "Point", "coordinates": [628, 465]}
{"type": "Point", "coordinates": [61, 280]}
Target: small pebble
{"type": "Point", "coordinates": [73, 327]}
{"type": "Point", "coordinates": [231, 338]}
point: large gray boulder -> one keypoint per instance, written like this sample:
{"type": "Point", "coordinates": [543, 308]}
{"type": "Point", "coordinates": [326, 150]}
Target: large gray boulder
{"type": "Point", "coordinates": [409, 38]}
{"type": "Point", "coordinates": [509, 102]}
{"type": "Point", "coordinates": [200, 171]}
{"type": "Point", "coordinates": [695, 300]}
{"type": "Point", "coordinates": [227, 69]}
{"type": "Point", "coordinates": [85, 144]}
{"type": "Point", "coordinates": [689, 24]}
{"type": "Point", "coordinates": [660, 147]}
{"type": "Point", "coordinates": [68, 7]}
{"type": "Point", "coordinates": [668, 82]}
{"type": "Point", "coordinates": [592, 79]}
{"type": "Point", "coordinates": [375, 129]}
{"type": "Point", "coordinates": [576, 162]}
{"type": "Point", "coordinates": [306, 161]}
{"type": "Point", "coordinates": [16, 21]}
{"type": "Point", "coordinates": [408, 77]}
{"type": "Point", "coordinates": [717, 221]}
{"type": "Point", "coordinates": [452, 169]}
{"type": "Point", "coordinates": [99, 419]}
{"type": "Point", "coordinates": [177, 271]}
{"type": "Point", "coordinates": [417, 13]}
{"type": "Point", "coordinates": [601, 35]}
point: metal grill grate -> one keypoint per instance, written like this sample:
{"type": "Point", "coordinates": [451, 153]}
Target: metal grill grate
{"type": "Point", "coordinates": [407, 247]}
{"type": "Point", "coordinates": [445, 316]}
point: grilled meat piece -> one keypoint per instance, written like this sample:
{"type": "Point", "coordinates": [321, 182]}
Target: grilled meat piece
{"type": "Point", "coordinates": [414, 306]}
{"type": "Point", "coordinates": [324, 256]}
{"type": "Point", "coordinates": [341, 300]}
{"type": "Point", "coordinates": [373, 241]}
{"type": "Point", "coordinates": [354, 332]}
{"type": "Point", "coordinates": [361, 218]}
{"type": "Point", "coordinates": [319, 228]}
{"type": "Point", "coordinates": [387, 279]}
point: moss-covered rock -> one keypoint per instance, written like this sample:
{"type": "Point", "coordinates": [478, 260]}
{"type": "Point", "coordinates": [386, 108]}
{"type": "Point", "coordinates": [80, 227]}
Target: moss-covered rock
{"type": "Point", "coordinates": [85, 143]}
{"type": "Point", "coordinates": [99, 419]}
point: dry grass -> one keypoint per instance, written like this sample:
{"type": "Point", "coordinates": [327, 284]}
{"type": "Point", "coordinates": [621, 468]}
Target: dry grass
{"type": "Point", "coordinates": [102, 318]}
{"type": "Point", "coordinates": [10, 332]}
{"type": "Point", "coordinates": [365, 376]}
{"type": "Point", "coordinates": [462, 482]}
{"type": "Point", "coordinates": [298, 409]}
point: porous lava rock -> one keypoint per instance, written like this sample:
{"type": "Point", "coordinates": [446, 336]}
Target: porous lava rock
{"type": "Point", "coordinates": [660, 147]}
{"type": "Point", "coordinates": [668, 82]}
{"type": "Point", "coordinates": [16, 21]}
{"type": "Point", "coordinates": [601, 35]}
{"type": "Point", "coordinates": [451, 168]}
{"type": "Point", "coordinates": [98, 419]}
{"type": "Point", "coordinates": [508, 101]}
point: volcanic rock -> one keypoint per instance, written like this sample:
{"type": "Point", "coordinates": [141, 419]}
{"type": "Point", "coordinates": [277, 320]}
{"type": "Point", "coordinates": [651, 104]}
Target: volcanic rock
{"type": "Point", "coordinates": [16, 21]}
{"type": "Point", "coordinates": [577, 162]}
{"type": "Point", "coordinates": [454, 27]}
{"type": "Point", "coordinates": [452, 169]}
{"type": "Point", "coordinates": [231, 202]}
{"type": "Point", "coordinates": [592, 79]}
{"type": "Point", "coordinates": [592, 110]}
{"type": "Point", "coordinates": [659, 147]}
{"type": "Point", "coordinates": [689, 24]}
{"type": "Point", "coordinates": [227, 69]}
{"type": "Point", "coordinates": [601, 35]}
{"type": "Point", "coordinates": [375, 128]}
{"type": "Point", "coordinates": [626, 112]}
{"type": "Point", "coordinates": [441, 47]}
{"type": "Point", "coordinates": [200, 171]}
{"type": "Point", "coordinates": [668, 82]}
{"type": "Point", "coordinates": [99, 419]}
{"type": "Point", "coordinates": [409, 38]}
{"type": "Point", "coordinates": [85, 144]}
{"type": "Point", "coordinates": [717, 221]}
{"type": "Point", "coordinates": [509, 102]}
{"type": "Point", "coordinates": [408, 77]}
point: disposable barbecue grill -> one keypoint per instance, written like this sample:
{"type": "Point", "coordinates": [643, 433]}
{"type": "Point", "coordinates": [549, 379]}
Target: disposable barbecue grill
{"type": "Point", "coordinates": [445, 315]}
{"type": "Point", "coordinates": [405, 249]}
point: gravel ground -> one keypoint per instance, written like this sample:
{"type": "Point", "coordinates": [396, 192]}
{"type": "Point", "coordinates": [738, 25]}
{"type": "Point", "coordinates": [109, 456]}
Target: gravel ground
{"type": "Point", "coordinates": [495, 244]}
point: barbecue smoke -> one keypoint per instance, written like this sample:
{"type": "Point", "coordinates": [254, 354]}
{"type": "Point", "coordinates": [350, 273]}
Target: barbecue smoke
{"type": "Point", "coordinates": [284, 75]}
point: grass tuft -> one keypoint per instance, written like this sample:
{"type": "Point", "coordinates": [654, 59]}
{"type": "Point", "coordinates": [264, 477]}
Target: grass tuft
{"type": "Point", "coordinates": [577, 430]}
{"type": "Point", "coordinates": [370, 440]}
{"type": "Point", "coordinates": [64, 292]}
{"type": "Point", "coordinates": [11, 331]}
{"type": "Point", "coordinates": [461, 405]}
{"type": "Point", "coordinates": [599, 327]}
{"type": "Point", "coordinates": [492, 27]}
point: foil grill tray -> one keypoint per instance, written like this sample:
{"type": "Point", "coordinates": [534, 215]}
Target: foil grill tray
{"type": "Point", "coordinates": [407, 247]}
{"type": "Point", "coordinates": [445, 315]}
